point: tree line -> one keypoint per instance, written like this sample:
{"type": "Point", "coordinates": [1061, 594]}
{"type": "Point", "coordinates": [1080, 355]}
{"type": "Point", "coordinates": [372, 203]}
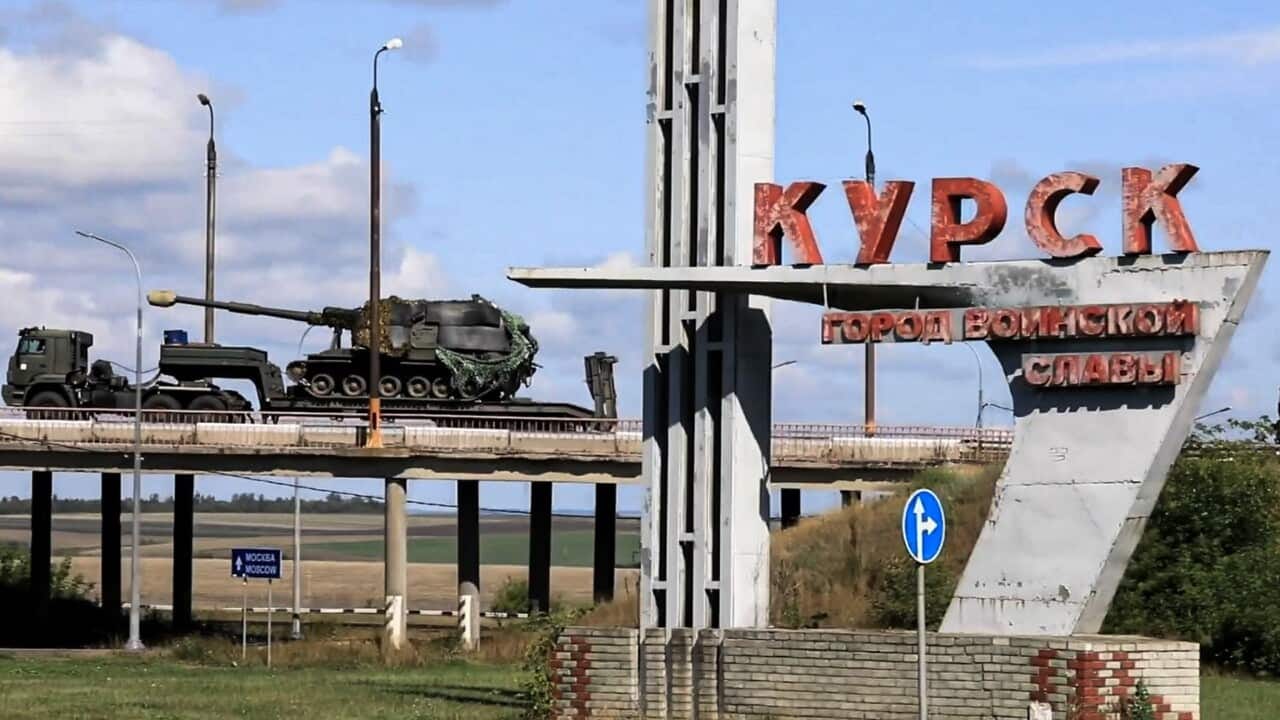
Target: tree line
{"type": "Point", "coordinates": [238, 503]}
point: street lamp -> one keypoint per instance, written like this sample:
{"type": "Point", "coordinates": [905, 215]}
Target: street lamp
{"type": "Point", "coordinates": [981, 404]}
{"type": "Point", "coordinates": [374, 439]}
{"type": "Point", "coordinates": [211, 156]}
{"type": "Point", "coordinates": [869, 361]}
{"type": "Point", "coordinates": [784, 363]}
{"type": "Point", "coordinates": [1215, 412]}
{"type": "Point", "coordinates": [135, 574]}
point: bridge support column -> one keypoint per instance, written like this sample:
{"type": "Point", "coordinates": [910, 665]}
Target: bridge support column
{"type": "Point", "coordinates": [184, 489]}
{"type": "Point", "coordinates": [109, 582]}
{"type": "Point", "coordinates": [469, 558]}
{"type": "Point", "coordinates": [396, 568]}
{"type": "Point", "coordinates": [790, 506]}
{"type": "Point", "coordinates": [540, 547]}
{"type": "Point", "coordinates": [606, 545]}
{"type": "Point", "coordinates": [41, 541]}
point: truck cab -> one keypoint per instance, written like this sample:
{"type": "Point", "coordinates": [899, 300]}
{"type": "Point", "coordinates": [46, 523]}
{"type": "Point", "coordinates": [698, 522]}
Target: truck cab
{"type": "Point", "coordinates": [46, 361]}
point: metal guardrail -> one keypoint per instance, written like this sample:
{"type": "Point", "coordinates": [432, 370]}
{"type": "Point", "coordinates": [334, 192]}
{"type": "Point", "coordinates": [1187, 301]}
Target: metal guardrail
{"type": "Point", "coordinates": [621, 439]}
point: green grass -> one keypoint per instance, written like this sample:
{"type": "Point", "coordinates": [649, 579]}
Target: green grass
{"type": "Point", "coordinates": [1225, 697]}
{"type": "Point", "coordinates": [569, 548]}
{"type": "Point", "coordinates": [161, 689]}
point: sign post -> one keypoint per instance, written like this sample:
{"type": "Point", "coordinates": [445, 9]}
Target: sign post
{"type": "Point", "coordinates": [256, 563]}
{"type": "Point", "coordinates": [924, 528]}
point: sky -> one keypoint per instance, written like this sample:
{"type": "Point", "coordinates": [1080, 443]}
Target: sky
{"type": "Point", "coordinates": [513, 135]}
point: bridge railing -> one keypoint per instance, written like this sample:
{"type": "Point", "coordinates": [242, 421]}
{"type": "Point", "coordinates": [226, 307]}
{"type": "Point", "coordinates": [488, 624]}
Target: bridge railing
{"type": "Point", "coordinates": [792, 443]}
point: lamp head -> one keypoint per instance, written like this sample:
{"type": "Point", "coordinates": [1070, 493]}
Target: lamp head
{"type": "Point", "coordinates": [162, 298]}
{"type": "Point", "coordinates": [860, 107]}
{"type": "Point", "coordinates": [204, 99]}
{"type": "Point", "coordinates": [393, 44]}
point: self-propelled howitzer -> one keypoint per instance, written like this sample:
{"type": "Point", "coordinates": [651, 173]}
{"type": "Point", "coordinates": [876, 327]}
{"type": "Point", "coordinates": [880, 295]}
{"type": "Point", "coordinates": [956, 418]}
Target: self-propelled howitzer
{"type": "Point", "coordinates": [430, 349]}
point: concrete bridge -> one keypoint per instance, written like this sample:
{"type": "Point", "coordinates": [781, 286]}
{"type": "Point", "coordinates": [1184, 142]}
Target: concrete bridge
{"type": "Point", "coordinates": [542, 452]}
{"type": "Point", "coordinates": [805, 455]}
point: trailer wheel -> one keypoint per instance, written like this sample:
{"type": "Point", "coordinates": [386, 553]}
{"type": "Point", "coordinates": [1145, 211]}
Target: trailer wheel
{"type": "Point", "coordinates": [418, 386]}
{"type": "Point", "coordinates": [48, 399]}
{"type": "Point", "coordinates": [354, 386]}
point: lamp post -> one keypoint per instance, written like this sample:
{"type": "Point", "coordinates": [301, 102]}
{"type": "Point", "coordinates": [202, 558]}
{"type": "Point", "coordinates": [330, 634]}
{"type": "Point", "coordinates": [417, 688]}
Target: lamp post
{"type": "Point", "coordinates": [135, 573]}
{"type": "Point", "coordinates": [782, 364]}
{"type": "Point", "coordinates": [374, 439]}
{"type": "Point", "coordinates": [1219, 411]}
{"type": "Point", "coordinates": [869, 361]}
{"type": "Point", "coordinates": [211, 173]}
{"type": "Point", "coordinates": [982, 405]}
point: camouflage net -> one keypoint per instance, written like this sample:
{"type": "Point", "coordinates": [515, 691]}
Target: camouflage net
{"type": "Point", "coordinates": [473, 377]}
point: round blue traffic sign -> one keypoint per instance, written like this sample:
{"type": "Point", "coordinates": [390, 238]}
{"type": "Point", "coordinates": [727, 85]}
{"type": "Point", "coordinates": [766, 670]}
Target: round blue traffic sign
{"type": "Point", "coordinates": [924, 526]}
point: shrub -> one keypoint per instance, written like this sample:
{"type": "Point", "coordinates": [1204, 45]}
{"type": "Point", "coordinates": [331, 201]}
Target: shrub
{"type": "Point", "coordinates": [512, 596]}
{"type": "Point", "coordinates": [1209, 561]}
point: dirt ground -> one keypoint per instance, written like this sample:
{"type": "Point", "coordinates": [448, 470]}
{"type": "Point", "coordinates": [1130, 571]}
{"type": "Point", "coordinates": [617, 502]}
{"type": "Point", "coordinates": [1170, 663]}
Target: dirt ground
{"type": "Point", "coordinates": [336, 584]}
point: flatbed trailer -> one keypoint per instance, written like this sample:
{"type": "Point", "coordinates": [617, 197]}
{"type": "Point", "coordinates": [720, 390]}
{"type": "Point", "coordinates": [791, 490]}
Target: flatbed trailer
{"type": "Point", "coordinates": [64, 386]}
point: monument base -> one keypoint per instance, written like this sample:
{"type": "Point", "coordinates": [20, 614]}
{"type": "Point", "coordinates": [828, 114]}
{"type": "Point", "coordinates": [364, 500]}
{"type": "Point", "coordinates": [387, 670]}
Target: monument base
{"type": "Point", "coordinates": [792, 674]}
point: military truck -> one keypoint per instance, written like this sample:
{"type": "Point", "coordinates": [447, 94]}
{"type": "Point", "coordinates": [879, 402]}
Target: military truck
{"type": "Point", "coordinates": [50, 373]}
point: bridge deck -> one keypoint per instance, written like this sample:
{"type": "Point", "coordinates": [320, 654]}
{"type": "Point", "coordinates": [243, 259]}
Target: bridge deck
{"type": "Point", "coordinates": [518, 450]}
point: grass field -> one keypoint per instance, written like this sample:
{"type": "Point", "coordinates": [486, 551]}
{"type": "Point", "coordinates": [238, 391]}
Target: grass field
{"type": "Point", "coordinates": [342, 555]}
{"type": "Point", "coordinates": [151, 689]}
{"type": "Point", "coordinates": [123, 688]}
{"type": "Point", "coordinates": [569, 548]}
{"type": "Point", "coordinates": [1235, 698]}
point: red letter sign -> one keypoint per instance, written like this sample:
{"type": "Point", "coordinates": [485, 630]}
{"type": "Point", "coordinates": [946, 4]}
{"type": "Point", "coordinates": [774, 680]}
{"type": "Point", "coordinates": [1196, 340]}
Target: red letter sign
{"type": "Point", "coordinates": [779, 213]}
{"type": "Point", "coordinates": [948, 233]}
{"type": "Point", "coordinates": [1042, 205]}
{"type": "Point", "coordinates": [1147, 199]}
{"type": "Point", "coordinates": [878, 220]}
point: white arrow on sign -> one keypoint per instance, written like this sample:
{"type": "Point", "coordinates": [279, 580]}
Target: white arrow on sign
{"type": "Point", "coordinates": [924, 526]}
{"type": "Point", "coordinates": [237, 563]}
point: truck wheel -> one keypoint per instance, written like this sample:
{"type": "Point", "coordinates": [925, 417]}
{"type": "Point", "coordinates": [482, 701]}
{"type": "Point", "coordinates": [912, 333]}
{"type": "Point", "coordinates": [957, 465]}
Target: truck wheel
{"type": "Point", "coordinates": [162, 407]}
{"type": "Point", "coordinates": [208, 404]}
{"type": "Point", "coordinates": [48, 399]}
{"type": "Point", "coordinates": [353, 386]}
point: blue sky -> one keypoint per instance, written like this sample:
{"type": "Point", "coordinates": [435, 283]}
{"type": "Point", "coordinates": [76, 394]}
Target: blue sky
{"type": "Point", "coordinates": [514, 135]}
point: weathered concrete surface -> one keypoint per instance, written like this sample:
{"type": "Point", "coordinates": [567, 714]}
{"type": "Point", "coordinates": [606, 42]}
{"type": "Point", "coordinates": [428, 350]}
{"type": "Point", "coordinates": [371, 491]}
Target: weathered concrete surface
{"type": "Point", "coordinates": [1087, 464]}
{"type": "Point", "coordinates": [801, 452]}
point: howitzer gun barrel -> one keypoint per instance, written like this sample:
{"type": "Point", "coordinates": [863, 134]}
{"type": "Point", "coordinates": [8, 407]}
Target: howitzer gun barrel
{"type": "Point", "coordinates": [167, 298]}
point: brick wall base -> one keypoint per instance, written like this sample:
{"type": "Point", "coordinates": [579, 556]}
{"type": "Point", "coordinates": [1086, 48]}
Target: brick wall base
{"type": "Point", "coordinates": [794, 674]}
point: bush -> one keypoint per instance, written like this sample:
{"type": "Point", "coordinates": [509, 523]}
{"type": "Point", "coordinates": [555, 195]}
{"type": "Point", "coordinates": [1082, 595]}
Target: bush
{"type": "Point", "coordinates": [537, 680]}
{"type": "Point", "coordinates": [894, 605]}
{"type": "Point", "coordinates": [1209, 561]}
{"type": "Point", "coordinates": [79, 619]}
{"type": "Point", "coordinates": [511, 597]}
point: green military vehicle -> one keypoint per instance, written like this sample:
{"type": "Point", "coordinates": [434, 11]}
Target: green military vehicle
{"type": "Point", "coordinates": [50, 371]}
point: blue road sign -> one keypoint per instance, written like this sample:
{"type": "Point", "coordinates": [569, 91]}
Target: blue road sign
{"type": "Point", "coordinates": [924, 526]}
{"type": "Point", "coordinates": [255, 563]}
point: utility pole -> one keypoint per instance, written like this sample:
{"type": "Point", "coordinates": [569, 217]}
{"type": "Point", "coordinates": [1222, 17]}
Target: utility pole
{"type": "Point", "coordinates": [374, 439]}
{"type": "Point", "coordinates": [211, 158]}
{"type": "Point", "coordinates": [869, 361]}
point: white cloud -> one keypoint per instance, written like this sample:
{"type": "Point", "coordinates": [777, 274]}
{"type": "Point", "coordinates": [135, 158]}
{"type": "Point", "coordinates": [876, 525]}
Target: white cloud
{"type": "Point", "coordinates": [108, 117]}
{"type": "Point", "coordinates": [1250, 48]}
